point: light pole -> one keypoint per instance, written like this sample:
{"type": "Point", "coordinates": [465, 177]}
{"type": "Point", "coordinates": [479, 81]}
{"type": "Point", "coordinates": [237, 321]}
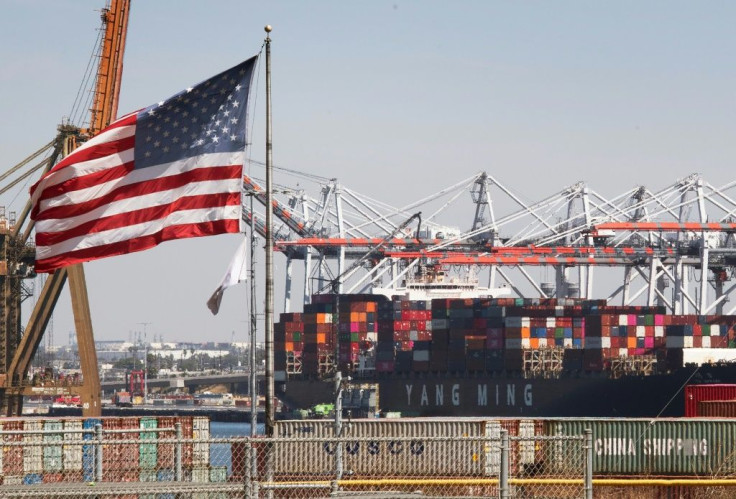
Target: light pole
{"type": "Point", "coordinates": [145, 363]}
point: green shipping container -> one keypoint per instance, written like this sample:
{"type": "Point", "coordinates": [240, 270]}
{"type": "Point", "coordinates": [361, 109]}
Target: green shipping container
{"type": "Point", "coordinates": [218, 474]}
{"type": "Point", "coordinates": [52, 447]}
{"type": "Point", "coordinates": [148, 453]}
{"type": "Point", "coordinates": [649, 447]}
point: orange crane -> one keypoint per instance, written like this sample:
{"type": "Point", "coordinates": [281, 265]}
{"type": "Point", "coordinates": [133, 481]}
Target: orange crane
{"type": "Point", "coordinates": [14, 381]}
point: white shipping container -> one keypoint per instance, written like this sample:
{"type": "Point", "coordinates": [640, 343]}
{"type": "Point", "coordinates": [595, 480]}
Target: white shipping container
{"type": "Point", "coordinates": [72, 445]}
{"type": "Point", "coordinates": [33, 446]}
{"type": "Point", "coordinates": [403, 449]}
{"type": "Point", "coordinates": [200, 474]}
{"type": "Point", "coordinates": [201, 448]}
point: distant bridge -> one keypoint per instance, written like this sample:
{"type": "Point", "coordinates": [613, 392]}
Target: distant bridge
{"type": "Point", "coordinates": [237, 382]}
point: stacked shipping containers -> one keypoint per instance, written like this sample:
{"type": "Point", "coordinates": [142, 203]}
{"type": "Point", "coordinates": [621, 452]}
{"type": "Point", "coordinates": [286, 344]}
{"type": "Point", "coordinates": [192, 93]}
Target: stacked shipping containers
{"type": "Point", "coordinates": [38, 450]}
{"type": "Point", "coordinates": [485, 334]}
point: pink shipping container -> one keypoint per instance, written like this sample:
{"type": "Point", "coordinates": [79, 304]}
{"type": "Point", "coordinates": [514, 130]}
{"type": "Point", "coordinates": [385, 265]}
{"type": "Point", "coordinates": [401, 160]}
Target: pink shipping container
{"type": "Point", "coordinates": [700, 393]}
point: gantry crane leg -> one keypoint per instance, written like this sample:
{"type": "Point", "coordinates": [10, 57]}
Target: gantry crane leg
{"type": "Point", "coordinates": [90, 393]}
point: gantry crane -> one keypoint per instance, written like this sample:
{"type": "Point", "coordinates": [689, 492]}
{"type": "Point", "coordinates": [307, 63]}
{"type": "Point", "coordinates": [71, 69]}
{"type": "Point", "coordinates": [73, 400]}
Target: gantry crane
{"type": "Point", "coordinates": [18, 350]}
{"type": "Point", "coordinates": [679, 242]}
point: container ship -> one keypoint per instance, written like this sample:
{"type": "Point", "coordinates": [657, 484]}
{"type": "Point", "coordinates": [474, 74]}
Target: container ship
{"type": "Point", "coordinates": [482, 356]}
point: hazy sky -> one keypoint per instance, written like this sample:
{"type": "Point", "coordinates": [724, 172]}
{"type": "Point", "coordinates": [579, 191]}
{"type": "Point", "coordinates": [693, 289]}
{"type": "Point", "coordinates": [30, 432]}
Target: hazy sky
{"type": "Point", "coordinates": [396, 99]}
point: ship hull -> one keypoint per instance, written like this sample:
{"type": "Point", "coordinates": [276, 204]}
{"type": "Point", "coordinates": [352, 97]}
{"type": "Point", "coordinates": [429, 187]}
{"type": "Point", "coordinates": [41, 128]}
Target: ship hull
{"type": "Point", "coordinates": [509, 396]}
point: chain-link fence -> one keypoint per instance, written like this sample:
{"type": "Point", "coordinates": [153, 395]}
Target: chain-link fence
{"type": "Point", "coordinates": [141, 462]}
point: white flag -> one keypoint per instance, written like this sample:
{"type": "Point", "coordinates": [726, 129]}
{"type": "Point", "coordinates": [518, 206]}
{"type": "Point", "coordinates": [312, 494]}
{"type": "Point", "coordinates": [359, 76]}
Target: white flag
{"type": "Point", "coordinates": [236, 272]}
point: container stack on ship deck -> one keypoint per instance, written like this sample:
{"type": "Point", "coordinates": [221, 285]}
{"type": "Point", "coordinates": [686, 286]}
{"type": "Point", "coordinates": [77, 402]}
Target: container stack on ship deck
{"type": "Point", "coordinates": [562, 345]}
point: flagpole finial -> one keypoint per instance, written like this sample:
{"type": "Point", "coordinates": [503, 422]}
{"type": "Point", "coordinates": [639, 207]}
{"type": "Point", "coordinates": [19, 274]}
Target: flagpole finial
{"type": "Point", "coordinates": [267, 28]}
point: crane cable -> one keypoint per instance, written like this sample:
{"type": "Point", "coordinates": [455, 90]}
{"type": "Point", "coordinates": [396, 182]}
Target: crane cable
{"type": "Point", "coordinates": [78, 107]}
{"type": "Point", "coordinates": [27, 160]}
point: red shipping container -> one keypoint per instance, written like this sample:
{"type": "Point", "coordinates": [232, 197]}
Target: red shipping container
{"type": "Point", "coordinates": [699, 393]}
{"type": "Point", "coordinates": [717, 409]}
{"type": "Point", "coordinates": [13, 455]}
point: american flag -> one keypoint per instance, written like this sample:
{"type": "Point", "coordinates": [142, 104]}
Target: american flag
{"type": "Point", "coordinates": [172, 170]}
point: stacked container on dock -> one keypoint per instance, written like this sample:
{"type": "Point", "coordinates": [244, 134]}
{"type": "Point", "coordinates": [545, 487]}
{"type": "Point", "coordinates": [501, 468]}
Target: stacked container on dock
{"type": "Point", "coordinates": [120, 459]}
{"type": "Point", "coordinates": [53, 449]}
{"type": "Point", "coordinates": [49, 450]}
{"type": "Point", "coordinates": [649, 447]}
{"type": "Point", "coordinates": [33, 448]}
{"type": "Point", "coordinates": [72, 452]}
{"type": "Point", "coordinates": [695, 395]}
{"type": "Point", "coordinates": [12, 454]}
{"type": "Point", "coordinates": [88, 450]}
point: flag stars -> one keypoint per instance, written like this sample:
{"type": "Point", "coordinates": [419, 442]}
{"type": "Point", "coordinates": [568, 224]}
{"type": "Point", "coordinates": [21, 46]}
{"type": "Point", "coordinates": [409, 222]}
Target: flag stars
{"type": "Point", "coordinates": [201, 119]}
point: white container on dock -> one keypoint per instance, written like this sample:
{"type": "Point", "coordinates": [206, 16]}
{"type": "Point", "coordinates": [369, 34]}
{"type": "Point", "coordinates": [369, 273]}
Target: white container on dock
{"type": "Point", "coordinates": [32, 446]}
{"type": "Point", "coordinates": [72, 445]}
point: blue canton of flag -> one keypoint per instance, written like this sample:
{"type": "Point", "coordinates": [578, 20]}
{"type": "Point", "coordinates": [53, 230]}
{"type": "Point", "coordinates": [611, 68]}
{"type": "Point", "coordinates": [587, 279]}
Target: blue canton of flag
{"type": "Point", "coordinates": [207, 118]}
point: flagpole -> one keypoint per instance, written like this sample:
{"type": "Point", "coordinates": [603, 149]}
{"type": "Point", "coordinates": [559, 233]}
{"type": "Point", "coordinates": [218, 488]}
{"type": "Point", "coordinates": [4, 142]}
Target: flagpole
{"type": "Point", "coordinates": [253, 325]}
{"type": "Point", "coordinates": [269, 247]}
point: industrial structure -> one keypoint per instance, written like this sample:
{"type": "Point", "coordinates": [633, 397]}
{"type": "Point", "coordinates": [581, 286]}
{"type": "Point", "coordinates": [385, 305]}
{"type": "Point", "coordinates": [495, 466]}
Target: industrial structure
{"type": "Point", "coordinates": [17, 344]}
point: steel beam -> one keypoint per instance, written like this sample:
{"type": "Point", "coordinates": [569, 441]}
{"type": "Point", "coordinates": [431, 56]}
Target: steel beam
{"type": "Point", "coordinates": [90, 394]}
